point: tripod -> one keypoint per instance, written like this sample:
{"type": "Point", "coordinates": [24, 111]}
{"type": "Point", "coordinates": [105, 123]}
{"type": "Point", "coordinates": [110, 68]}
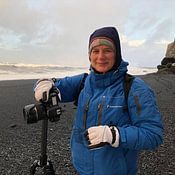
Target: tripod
{"type": "Point", "coordinates": [45, 164]}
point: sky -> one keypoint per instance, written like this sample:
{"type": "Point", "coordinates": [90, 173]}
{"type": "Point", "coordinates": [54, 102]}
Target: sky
{"type": "Point", "coordinates": [57, 32]}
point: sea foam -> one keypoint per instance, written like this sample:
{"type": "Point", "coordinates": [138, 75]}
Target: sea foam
{"type": "Point", "coordinates": [10, 71]}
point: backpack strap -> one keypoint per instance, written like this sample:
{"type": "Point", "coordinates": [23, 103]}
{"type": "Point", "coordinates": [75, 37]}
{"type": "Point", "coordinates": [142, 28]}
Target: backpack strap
{"type": "Point", "coordinates": [128, 80]}
{"type": "Point", "coordinates": [127, 84]}
{"type": "Point", "coordinates": [80, 88]}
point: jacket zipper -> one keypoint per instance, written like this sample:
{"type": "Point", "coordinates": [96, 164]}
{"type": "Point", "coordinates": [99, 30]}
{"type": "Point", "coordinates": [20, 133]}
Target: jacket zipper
{"type": "Point", "coordinates": [100, 109]}
{"type": "Point", "coordinates": [99, 117]}
{"type": "Point", "coordinates": [86, 108]}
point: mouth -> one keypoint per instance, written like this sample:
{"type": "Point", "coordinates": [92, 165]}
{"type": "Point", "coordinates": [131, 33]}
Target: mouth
{"type": "Point", "coordinates": [102, 64]}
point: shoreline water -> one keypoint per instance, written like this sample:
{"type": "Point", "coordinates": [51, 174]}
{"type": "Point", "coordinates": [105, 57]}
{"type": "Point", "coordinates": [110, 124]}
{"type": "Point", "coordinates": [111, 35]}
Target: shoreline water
{"type": "Point", "coordinates": [23, 72]}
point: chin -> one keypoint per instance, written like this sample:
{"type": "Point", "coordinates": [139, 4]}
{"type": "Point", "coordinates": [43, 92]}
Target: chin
{"type": "Point", "coordinates": [102, 70]}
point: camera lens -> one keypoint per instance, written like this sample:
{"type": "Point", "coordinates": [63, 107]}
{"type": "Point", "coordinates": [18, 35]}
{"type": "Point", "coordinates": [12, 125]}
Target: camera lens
{"type": "Point", "coordinates": [30, 113]}
{"type": "Point", "coordinates": [34, 112]}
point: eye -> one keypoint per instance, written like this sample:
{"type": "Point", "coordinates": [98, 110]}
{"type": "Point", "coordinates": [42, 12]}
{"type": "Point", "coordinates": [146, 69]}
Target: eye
{"type": "Point", "coordinates": [108, 50]}
{"type": "Point", "coordinates": [95, 51]}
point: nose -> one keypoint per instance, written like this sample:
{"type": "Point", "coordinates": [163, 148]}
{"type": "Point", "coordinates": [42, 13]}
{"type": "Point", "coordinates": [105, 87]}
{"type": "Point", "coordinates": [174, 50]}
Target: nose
{"type": "Point", "coordinates": [101, 55]}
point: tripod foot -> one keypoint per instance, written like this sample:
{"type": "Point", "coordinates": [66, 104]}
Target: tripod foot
{"type": "Point", "coordinates": [48, 169]}
{"type": "Point", "coordinates": [34, 166]}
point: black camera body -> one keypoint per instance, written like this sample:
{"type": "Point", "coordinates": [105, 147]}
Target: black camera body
{"type": "Point", "coordinates": [44, 110]}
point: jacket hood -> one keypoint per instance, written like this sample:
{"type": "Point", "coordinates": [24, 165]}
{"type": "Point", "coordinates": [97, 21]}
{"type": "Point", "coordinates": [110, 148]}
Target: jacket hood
{"type": "Point", "coordinates": [111, 33]}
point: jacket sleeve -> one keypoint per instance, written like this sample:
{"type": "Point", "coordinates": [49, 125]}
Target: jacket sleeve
{"type": "Point", "coordinates": [69, 87]}
{"type": "Point", "coordinates": [146, 128]}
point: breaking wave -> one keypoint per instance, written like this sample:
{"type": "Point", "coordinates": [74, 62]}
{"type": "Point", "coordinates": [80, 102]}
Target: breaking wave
{"type": "Point", "coordinates": [10, 71]}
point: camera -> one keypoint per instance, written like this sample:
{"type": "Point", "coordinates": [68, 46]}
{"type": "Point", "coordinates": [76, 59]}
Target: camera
{"type": "Point", "coordinates": [44, 110]}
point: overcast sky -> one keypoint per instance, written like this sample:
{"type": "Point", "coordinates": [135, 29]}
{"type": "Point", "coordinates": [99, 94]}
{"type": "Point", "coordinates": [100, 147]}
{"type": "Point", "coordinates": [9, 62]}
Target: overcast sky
{"type": "Point", "coordinates": [57, 32]}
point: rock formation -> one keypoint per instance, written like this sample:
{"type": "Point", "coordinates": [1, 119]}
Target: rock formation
{"type": "Point", "coordinates": [168, 62]}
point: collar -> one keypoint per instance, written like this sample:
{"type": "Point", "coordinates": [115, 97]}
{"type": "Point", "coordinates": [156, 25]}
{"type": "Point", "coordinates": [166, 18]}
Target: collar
{"type": "Point", "coordinates": [108, 78]}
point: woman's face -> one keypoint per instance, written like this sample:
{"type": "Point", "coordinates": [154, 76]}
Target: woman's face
{"type": "Point", "coordinates": [102, 58]}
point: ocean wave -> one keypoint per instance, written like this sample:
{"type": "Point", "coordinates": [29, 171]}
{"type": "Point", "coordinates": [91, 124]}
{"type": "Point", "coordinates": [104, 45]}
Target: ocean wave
{"type": "Point", "coordinates": [35, 68]}
{"type": "Point", "coordinates": [50, 66]}
{"type": "Point", "coordinates": [9, 71]}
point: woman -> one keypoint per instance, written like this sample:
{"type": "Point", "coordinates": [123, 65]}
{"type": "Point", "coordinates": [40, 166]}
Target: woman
{"type": "Point", "coordinates": [106, 138]}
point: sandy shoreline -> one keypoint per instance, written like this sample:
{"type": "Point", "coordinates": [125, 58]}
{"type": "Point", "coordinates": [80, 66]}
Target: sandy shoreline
{"type": "Point", "coordinates": [20, 143]}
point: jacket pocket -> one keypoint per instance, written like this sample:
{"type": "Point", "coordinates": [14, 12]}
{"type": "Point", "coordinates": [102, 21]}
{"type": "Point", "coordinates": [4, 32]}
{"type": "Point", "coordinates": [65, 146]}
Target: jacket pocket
{"type": "Point", "coordinates": [110, 161]}
{"type": "Point", "coordinates": [121, 164]}
{"type": "Point", "coordinates": [81, 155]}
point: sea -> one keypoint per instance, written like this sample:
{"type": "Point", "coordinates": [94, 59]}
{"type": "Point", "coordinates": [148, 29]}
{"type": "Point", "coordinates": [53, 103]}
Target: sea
{"type": "Point", "coordinates": [20, 71]}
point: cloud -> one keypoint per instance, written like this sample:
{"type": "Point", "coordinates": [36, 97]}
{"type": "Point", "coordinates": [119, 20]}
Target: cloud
{"type": "Point", "coordinates": [162, 42]}
{"type": "Point", "coordinates": [131, 43]}
{"type": "Point", "coordinates": [15, 15]}
{"type": "Point", "coordinates": [9, 40]}
{"type": "Point", "coordinates": [57, 31]}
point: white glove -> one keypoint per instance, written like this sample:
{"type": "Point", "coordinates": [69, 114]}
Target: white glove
{"type": "Point", "coordinates": [99, 135]}
{"type": "Point", "coordinates": [42, 89]}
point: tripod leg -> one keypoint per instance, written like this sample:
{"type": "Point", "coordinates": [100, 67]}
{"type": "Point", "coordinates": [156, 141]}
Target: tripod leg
{"type": "Point", "coordinates": [43, 158]}
{"type": "Point", "coordinates": [44, 164]}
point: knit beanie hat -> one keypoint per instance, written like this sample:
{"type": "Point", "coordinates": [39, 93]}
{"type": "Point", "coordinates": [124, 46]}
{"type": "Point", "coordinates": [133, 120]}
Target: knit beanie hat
{"type": "Point", "coordinates": [101, 41]}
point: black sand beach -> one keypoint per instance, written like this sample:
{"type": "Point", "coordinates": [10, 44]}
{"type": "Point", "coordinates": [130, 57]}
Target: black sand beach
{"type": "Point", "coordinates": [20, 143]}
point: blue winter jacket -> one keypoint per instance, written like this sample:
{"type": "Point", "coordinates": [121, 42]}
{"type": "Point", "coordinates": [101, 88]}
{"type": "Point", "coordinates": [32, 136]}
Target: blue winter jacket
{"type": "Point", "coordinates": [102, 102]}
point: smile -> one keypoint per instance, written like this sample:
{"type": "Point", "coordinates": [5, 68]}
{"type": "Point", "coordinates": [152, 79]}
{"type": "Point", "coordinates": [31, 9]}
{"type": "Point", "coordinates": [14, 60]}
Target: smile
{"type": "Point", "coordinates": [105, 63]}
